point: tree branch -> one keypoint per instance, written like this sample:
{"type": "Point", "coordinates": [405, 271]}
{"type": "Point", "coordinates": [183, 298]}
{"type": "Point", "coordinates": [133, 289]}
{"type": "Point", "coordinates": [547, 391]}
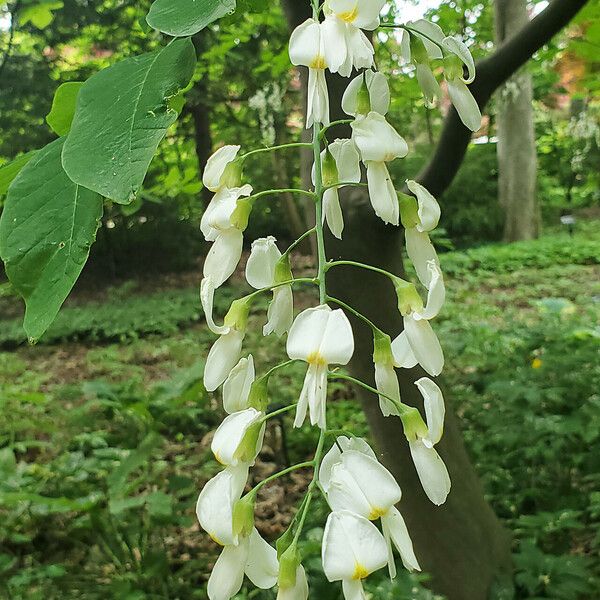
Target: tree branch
{"type": "Point", "coordinates": [492, 72]}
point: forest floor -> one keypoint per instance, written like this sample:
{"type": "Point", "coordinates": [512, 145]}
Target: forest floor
{"type": "Point", "coordinates": [117, 380]}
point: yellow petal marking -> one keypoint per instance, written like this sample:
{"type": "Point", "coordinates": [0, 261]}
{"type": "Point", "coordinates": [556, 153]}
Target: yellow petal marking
{"type": "Point", "coordinates": [360, 572]}
{"type": "Point", "coordinates": [318, 63]}
{"type": "Point", "coordinates": [377, 513]}
{"type": "Point", "coordinates": [314, 358]}
{"type": "Point", "coordinates": [349, 16]}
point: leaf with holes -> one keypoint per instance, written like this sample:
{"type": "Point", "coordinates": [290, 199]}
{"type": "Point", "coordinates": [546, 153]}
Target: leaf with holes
{"type": "Point", "coordinates": [47, 227]}
{"type": "Point", "coordinates": [122, 115]}
{"type": "Point", "coordinates": [180, 18]}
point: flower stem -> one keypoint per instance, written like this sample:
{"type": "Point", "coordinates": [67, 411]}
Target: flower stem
{"type": "Point", "coordinates": [261, 484]}
{"type": "Point", "coordinates": [279, 366]}
{"type": "Point", "coordinates": [352, 263]}
{"type": "Point", "coordinates": [278, 412]}
{"type": "Point", "coordinates": [333, 124]}
{"type": "Point", "coordinates": [274, 148]}
{"type": "Point", "coordinates": [355, 313]}
{"type": "Point", "coordinates": [301, 238]}
{"type": "Point", "coordinates": [321, 256]}
{"type": "Point", "coordinates": [411, 30]}
{"type": "Point", "coordinates": [345, 184]}
{"type": "Point", "coordinates": [277, 285]}
{"type": "Point", "coordinates": [281, 191]}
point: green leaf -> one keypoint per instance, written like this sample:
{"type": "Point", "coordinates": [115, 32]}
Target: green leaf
{"type": "Point", "coordinates": [46, 230]}
{"type": "Point", "coordinates": [180, 18]}
{"type": "Point", "coordinates": [10, 170]}
{"type": "Point", "coordinates": [40, 14]}
{"type": "Point", "coordinates": [122, 115]}
{"type": "Point", "coordinates": [61, 115]}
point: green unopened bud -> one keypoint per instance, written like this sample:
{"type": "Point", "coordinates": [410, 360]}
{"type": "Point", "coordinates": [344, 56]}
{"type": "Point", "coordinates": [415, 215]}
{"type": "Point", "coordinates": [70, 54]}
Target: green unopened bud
{"type": "Point", "coordinates": [288, 566]}
{"type": "Point", "coordinates": [246, 451]}
{"type": "Point", "coordinates": [330, 172]}
{"type": "Point", "coordinates": [409, 299]}
{"type": "Point", "coordinates": [453, 67]}
{"type": "Point", "coordinates": [232, 175]}
{"type": "Point", "coordinates": [409, 211]}
{"type": "Point", "coordinates": [283, 270]}
{"type": "Point", "coordinates": [259, 394]}
{"type": "Point", "coordinates": [382, 349]}
{"type": "Point", "coordinates": [284, 542]}
{"type": "Point", "coordinates": [363, 100]}
{"type": "Point", "coordinates": [241, 214]}
{"type": "Point", "coordinates": [243, 515]}
{"type": "Point", "coordinates": [418, 50]}
{"type": "Point", "coordinates": [414, 426]}
{"type": "Point", "coordinates": [237, 316]}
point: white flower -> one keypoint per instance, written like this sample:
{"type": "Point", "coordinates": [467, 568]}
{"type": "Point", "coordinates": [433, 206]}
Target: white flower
{"type": "Point", "coordinates": [379, 143]}
{"type": "Point", "coordinates": [429, 211]}
{"type": "Point", "coordinates": [236, 388]}
{"type": "Point", "coordinates": [241, 554]}
{"type": "Point", "coordinates": [460, 94]}
{"type": "Point", "coordinates": [215, 172]}
{"type": "Point", "coordinates": [357, 482]}
{"type": "Point", "coordinates": [386, 380]}
{"type": "Point", "coordinates": [363, 14]}
{"type": "Point", "coordinates": [378, 89]}
{"type": "Point", "coordinates": [254, 557]}
{"type": "Point", "coordinates": [347, 170]}
{"type": "Point", "coordinates": [307, 48]}
{"type": "Point", "coordinates": [261, 272]}
{"type": "Point", "coordinates": [353, 548]}
{"type": "Point", "coordinates": [430, 467]}
{"type": "Point", "coordinates": [320, 336]}
{"type": "Point", "coordinates": [299, 591]}
{"type": "Point", "coordinates": [239, 438]}
{"type": "Point", "coordinates": [223, 356]}
{"type": "Point", "coordinates": [418, 342]}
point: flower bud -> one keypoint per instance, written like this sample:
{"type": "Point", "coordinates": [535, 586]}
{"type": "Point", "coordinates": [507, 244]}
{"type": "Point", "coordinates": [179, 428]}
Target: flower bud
{"type": "Point", "coordinates": [409, 299]}
{"type": "Point", "coordinates": [243, 516]}
{"type": "Point", "coordinates": [382, 349]}
{"type": "Point", "coordinates": [259, 394]}
{"type": "Point", "coordinates": [414, 426]}
{"type": "Point", "coordinates": [363, 101]}
{"type": "Point", "coordinates": [409, 211]}
{"type": "Point", "coordinates": [330, 173]}
{"type": "Point", "coordinates": [288, 567]}
{"type": "Point", "coordinates": [237, 316]}
{"type": "Point", "coordinates": [283, 270]}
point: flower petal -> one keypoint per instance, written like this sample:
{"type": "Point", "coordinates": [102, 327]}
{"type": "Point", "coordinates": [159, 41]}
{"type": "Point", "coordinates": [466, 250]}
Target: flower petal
{"type": "Point", "coordinates": [386, 382]}
{"type": "Point", "coordinates": [465, 104]}
{"type": "Point", "coordinates": [435, 409]}
{"type": "Point", "coordinates": [353, 589]}
{"type": "Point", "coordinates": [207, 294]}
{"type": "Point", "coordinates": [223, 356]}
{"type": "Point", "coordinates": [224, 256]}
{"type": "Point", "coordinates": [305, 43]}
{"type": "Point", "coordinates": [299, 591]}
{"type": "Point", "coordinates": [429, 210]}
{"type": "Point", "coordinates": [262, 567]}
{"type": "Point", "coordinates": [428, 83]}
{"type": "Point", "coordinates": [280, 313]}
{"type": "Point", "coordinates": [394, 525]}
{"type": "Point", "coordinates": [332, 212]}
{"type": "Point", "coordinates": [333, 457]}
{"type": "Point", "coordinates": [231, 433]}
{"type": "Point", "coordinates": [425, 345]}
{"type": "Point", "coordinates": [432, 472]}
{"type": "Point", "coordinates": [236, 388]}
{"type": "Point", "coordinates": [457, 47]}
{"type": "Point", "coordinates": [228, 573]}
{"type": "Point", "coordinates": [436, 295]}
{"type": "Point", "coordinates": [335, 45]}
{"type": "Point", "coordinates": [420, 251]}
{"type": "Point", "coordinates": [404, 357]}
{"type": "Point", "coordinates": [215, 166]}
{"type": "Point", "coordinates": [377, 140]}
{"type": "Point", "coordinates": [382, 193]}
{"type": "Point", "coordinates": [260, 268]}
{"type": "Point", "coordinates": [318, 98]}
{"type": "Point", "coordinates": [430, 31]}
{"type": "Point", "coordinates": [347, 160]}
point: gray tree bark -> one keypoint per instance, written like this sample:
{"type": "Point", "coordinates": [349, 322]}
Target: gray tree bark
{"type": "Point", "coordinates": [517, 158]}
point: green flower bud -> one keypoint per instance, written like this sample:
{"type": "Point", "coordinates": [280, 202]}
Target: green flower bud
{"type": "Point", "coordinates": [409, 211]}
{"type": "Point", "coordinates": [382, 349]}
{"type": "Point", "coordinates": [259, 394]}
{"type": "Point", "coordinates": [409, 299]}
{"type": "Point", "coordinates": [363, 100]}
{"type": "Point", "coordinates": [283, 270]}
{"type": "Point", "coordinates": [243, 515]}
{"type": "Point", "coordinates": [288, 566]}
{"type": "Point", "coordinates": [414, 426]}
{"type": "Point", "coordinates": [237, 316]}
{"type": "Point", "coordinates": [241, 214]}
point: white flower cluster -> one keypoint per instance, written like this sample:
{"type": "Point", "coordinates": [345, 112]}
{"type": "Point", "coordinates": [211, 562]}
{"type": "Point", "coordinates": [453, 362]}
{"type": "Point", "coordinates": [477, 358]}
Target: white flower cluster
{"type": "Point", "coordinates": [358, 489]}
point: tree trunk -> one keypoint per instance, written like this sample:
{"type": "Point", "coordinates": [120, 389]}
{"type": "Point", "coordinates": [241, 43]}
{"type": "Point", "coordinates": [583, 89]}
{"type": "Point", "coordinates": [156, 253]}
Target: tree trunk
{"type": "Point", "coordinates": [517, 159]}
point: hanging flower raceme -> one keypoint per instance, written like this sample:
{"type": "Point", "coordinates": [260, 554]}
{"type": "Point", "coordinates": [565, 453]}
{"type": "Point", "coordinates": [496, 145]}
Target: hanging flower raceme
{"type": "Point", "coordinates": [353, 548]}
{"type": "Point", "coordinates": [344, 20]}
{"type": "Point", "coordinates": [430, 467]}
{"type": "Point", "coordinates": [354, 480]}
{"type": "Point", "coordinates": [340, 164]}
{"type": "Point", "coordinates": [244, 550]}
{"type": "Point", "coordinates": [418, 342]}
{"type": "Point", "coordinates": [267, 267]}
{"type": "Point", "coordinates": [321, 337]}
{"type": "Point", "coordinates": [308, 48]}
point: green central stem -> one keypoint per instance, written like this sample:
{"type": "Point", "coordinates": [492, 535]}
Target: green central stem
{"type": "Point", "coordinates": [321, 256]}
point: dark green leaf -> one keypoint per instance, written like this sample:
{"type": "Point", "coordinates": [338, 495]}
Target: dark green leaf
{"type": "Point", "coordinates": [46, 230]}
{"type": "Point", "coordinates": [122, 115]}
{"type": "Point", "coordinates": [61, 115]}
{"type": "Point", "coordinates": [180, 18]}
